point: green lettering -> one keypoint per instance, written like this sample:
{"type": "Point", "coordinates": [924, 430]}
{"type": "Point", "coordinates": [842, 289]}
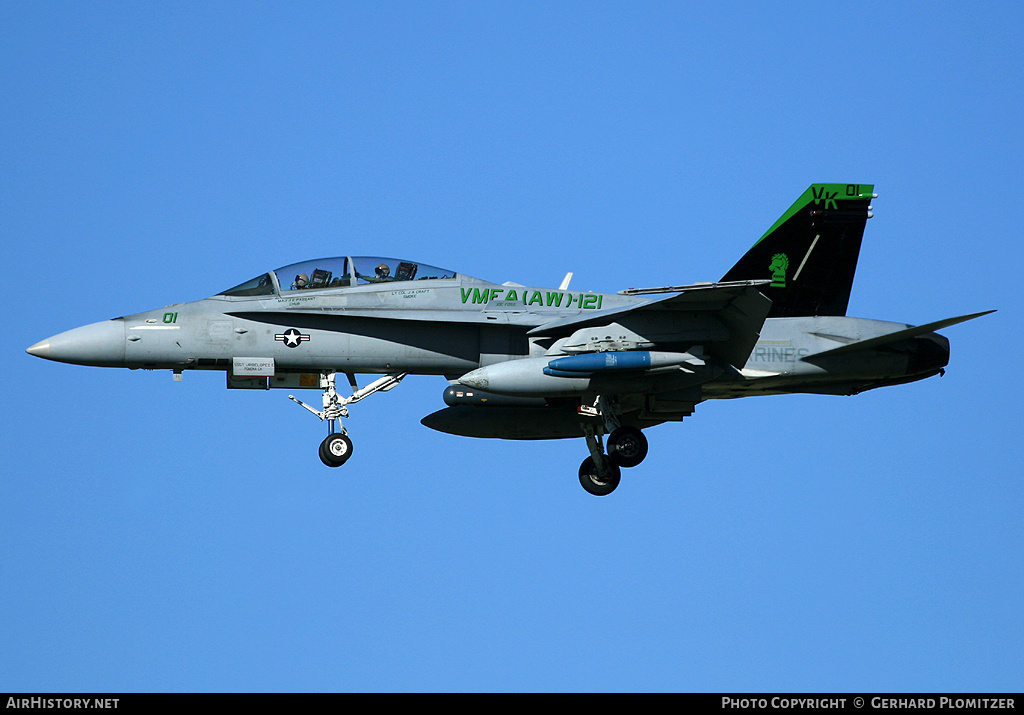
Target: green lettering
{"type": "Point", "coordinates": [590, 302]}
{"type": "Point", "coordinates": [555, 298]}
{"type": "Point", "coordinates": [536, 298]}
{"type": "Point", "coordinates": [481, 296]}
{"type": "Point", "coordinates": [512, 295]}
{"type": "Point", "coordinates": [466, 292]}
{"type": "Point", "coordinates": [495, 292]}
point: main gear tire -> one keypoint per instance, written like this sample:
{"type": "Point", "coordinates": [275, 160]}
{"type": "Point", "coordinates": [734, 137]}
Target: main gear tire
{"type": "Point", "coordinates": [627, 446]}
{"type": "Point", "coordinates": [598, 484]}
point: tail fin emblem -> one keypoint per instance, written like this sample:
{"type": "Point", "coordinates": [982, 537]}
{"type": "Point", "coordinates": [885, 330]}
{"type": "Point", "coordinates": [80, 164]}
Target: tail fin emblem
{"type": "Point", "coordinates": [778, 267]}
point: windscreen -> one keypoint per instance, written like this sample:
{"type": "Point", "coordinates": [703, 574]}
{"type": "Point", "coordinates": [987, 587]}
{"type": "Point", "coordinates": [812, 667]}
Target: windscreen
{"type": "Point", "coordinates": [260, 285]}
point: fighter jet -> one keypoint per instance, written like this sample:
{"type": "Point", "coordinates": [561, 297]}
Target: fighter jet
{"type": "Point", "coordinates": [537, 363]}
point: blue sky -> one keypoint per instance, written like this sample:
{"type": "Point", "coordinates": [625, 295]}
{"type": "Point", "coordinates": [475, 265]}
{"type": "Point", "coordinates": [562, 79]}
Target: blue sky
{"type": "Point", "coordinates": [157, 536]}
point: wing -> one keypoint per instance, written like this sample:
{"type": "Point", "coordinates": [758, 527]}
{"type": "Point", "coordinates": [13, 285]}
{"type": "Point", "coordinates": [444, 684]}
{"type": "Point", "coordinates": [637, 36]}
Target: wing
{"type": "Point", "coordinates": [644, 356]}
{"type": "Point", "coordinates": [725, 318]}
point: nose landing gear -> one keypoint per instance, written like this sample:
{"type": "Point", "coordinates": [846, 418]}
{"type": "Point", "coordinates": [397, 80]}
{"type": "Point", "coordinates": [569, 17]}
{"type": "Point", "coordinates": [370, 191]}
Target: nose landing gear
{"type": "Point", "coordinates": [336, 449]}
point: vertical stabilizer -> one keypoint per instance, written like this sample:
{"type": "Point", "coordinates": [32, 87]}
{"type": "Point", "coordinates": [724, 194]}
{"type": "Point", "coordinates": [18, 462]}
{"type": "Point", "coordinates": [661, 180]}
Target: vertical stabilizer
{"type": "Point", "coordinates": [810, 254]}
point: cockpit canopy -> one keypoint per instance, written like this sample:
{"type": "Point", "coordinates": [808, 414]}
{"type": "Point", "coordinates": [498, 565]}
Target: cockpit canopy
{"type": "Point", "coordinates": [341, 272]}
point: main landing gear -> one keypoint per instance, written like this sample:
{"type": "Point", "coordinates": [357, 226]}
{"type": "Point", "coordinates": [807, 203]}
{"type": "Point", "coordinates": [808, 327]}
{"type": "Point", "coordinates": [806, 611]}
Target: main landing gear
{"type": "Point", "coordinates": [337, 448]}
{"type": "Point", "coordinates": [627, 447]}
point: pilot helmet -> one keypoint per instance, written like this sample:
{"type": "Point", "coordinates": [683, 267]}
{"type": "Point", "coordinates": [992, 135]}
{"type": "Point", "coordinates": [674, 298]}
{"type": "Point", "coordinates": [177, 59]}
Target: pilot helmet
{"type": "Point", "coordinates": [301, 281]}
{"type": "Point", "coordinates": [383, 271]}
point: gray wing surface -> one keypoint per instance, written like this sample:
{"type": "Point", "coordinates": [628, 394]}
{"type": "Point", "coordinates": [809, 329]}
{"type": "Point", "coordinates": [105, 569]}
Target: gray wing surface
{"type": "Point", "coordinates": [725, 318]}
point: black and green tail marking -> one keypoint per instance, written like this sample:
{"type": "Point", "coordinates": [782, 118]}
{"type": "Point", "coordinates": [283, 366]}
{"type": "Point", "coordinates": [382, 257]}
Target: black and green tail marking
{"type": "Point", "coordinates": [810, 254]}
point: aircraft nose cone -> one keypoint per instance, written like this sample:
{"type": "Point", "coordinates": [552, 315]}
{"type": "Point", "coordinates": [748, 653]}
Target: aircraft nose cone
{"type": "Point", "coordinates": [100, 344]}
{"type": "Point", "coordinates": [40, 349]}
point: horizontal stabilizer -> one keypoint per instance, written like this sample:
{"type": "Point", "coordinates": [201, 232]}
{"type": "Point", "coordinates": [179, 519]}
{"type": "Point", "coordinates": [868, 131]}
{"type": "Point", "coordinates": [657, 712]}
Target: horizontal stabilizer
{"type": "Point", "coordinates": [890, 338]}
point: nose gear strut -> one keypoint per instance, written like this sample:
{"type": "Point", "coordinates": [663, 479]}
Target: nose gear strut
{"type": "Point", "coordinates": [337, 448]}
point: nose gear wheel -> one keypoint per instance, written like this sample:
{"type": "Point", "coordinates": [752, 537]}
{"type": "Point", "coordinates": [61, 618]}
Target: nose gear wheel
{"type": "Point", "coordinates": [336, 449]}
